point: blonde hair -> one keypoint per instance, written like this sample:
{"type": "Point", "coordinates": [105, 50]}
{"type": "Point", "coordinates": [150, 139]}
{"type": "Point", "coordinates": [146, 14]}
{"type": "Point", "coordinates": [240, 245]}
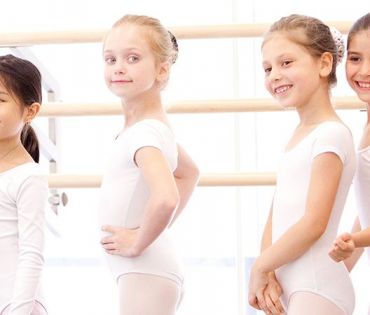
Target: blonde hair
{"type": "Point", "coordinates": [162, 42]}
{"type": "Point", "coordinates": [317, 37]}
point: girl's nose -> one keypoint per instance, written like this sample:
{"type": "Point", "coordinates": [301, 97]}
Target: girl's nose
{"type": "Point", "coordinates": [275, 75]}
{"type": "Point", "coordinates": [365, 68]}
{"type": "Point", "coordinates": [119, 68]}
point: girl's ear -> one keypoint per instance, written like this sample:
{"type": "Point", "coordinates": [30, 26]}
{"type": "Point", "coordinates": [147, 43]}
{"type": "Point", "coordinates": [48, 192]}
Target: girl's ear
{"type": "Point", "coordinates": [326, 64]}
{"type": "Point", "coordinates": [163, 71]}
{"type": "Point", "coordinates": [31, 111]}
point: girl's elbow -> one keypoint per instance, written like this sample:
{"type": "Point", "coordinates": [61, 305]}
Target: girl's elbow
{"type": "Point", "coordinates": [317, 230]}
{"type": "Point", "coordinates": [170, 202]}
{"type": "Point", "coordinates": [314, 226]}
{"type": "Point", "coordinates": [192, 171]}
{"type": "Point", "coordinates": [196, 171]}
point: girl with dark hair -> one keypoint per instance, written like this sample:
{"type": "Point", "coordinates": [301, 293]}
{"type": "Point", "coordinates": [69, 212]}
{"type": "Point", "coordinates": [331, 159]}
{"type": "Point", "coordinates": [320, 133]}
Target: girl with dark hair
{"type": "Point", "coordinates": [358, 77]}
{"type": "Point", "coordinates": [23, 191]}
{"type": "Point", "coordinates": [348, 247]}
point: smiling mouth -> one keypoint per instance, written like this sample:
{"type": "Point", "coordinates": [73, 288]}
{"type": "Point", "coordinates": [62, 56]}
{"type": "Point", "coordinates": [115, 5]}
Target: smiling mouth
{"type": "Point", "coordinates": [282, 89]}
{"type": "Point", "coordinates": [363, 85]}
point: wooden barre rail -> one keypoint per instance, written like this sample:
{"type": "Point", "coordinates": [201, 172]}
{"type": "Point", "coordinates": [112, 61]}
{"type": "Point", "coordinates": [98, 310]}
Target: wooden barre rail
{"type": "Point", "coordinates": [227, 179]}
{"type": "Point", "coordinates": [182, 32]}
{"type": "Point", "coordinates": [199, 106]}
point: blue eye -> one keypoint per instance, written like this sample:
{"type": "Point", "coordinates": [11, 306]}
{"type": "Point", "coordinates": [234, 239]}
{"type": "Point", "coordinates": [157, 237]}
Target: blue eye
{"type": "Point", "coordinates": [110, 60]}
{"type": "Point", "coordinates": [132, 59]}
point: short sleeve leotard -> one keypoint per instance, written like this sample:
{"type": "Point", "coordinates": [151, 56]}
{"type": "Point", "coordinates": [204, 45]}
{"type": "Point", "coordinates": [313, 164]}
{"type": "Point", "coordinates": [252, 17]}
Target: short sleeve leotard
{"type": "Point", "coordinates": [314, 271]}
{"type": "Point", "coordinates": [124, 195]}
{"type": "Point", "coordinates": [362, 188]}
{"type": "Point", "coordinates": [23, 198]}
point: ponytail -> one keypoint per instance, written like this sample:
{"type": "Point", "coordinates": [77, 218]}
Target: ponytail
{"type": "Point", "coordinates": [30, 142]}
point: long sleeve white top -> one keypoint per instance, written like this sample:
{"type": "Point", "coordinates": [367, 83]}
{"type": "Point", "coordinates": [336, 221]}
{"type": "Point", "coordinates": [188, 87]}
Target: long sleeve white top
{"type": "Point", "coordinates": [23, 196]}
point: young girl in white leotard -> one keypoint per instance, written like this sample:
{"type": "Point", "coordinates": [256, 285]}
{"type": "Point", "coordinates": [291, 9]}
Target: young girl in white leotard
{"type": "Point", "coordinates": [313, 178]}
{"type": "Point", "coordinates": [149, 178]}
{"type": "Point", "coordinates": [23, 191]}
{"type": "Point", "coordinates": [349, 246]}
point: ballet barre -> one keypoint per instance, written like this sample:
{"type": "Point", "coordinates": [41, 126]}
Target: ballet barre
{"type": "Point", "coordinates": [206, 180]}
{"type": "Point", "coordinates": [57, 109]}
{"type": "Point", "coordinates": [16, 39]}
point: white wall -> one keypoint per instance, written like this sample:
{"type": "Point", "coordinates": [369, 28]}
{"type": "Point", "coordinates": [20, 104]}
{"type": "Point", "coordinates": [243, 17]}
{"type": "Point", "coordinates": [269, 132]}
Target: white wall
{"type": "Point", "coordinates": [221, 227]}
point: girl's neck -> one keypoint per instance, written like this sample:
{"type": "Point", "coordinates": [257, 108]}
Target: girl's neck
{"type": "Point", "coordinates": [317, 111]}
{"type": "Point", "coordinates": [137, 110]}
{"type": "Point", "coordinates": [8, 146]}
{"type": "Point", "coordinates": [12, 154]}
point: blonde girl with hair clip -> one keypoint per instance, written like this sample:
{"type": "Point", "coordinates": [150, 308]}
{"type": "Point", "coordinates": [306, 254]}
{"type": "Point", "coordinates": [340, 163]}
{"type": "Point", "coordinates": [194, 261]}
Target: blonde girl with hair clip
{"type": "Point", "coordinates": [313, 178]}
{"type": "Point", "coordinates": [149, 178]}
{"type": "Point", "coordinates": [23, 191]}
{"type": "Point", "coordinates": [348, 247]}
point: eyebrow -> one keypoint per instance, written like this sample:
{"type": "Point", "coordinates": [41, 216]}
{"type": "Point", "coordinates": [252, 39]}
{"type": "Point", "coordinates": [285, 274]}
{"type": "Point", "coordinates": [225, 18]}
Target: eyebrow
{"type": "Point", "coordinates": [353, 52]}
{"type": "Point", "coordinates": [282, 56]}
{"type": "Point", "coordinates": [124, 50]}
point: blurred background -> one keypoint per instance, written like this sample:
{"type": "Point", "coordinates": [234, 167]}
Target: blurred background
{"type": "Point", "coordinates": [219, 232]}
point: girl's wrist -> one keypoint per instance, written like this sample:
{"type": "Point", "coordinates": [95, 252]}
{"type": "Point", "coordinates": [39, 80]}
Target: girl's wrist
{"type": "Point", "coordinates": [259, 267]}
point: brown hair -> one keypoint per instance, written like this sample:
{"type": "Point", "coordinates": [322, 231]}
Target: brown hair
{"type": "Point", "coordinates": [317, 37]}
{"type": "Point", "coordinates": [362, 24]}
{"type": "Point", "coordinates": [162, 41]}
{"type": "Point", "coordinates": [23, 80]}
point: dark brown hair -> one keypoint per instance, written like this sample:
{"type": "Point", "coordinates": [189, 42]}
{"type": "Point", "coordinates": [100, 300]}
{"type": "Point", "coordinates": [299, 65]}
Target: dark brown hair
{"type": "Point", "coordinates": [23, 80]}
{"type": "Point", "coordinates": [362, 24]}
{"type": "Point", "coordinates": [317, 37]}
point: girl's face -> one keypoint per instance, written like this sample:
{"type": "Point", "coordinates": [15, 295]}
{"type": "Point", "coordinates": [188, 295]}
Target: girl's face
{"type": "Point", "coordinates": [358, 65]}
{"type": "Point", "coordinates": [131, 69]}
{"type": "Point", "coordinates": [12, 117]}
{"type": "Point", "coordinates": [292, 75]}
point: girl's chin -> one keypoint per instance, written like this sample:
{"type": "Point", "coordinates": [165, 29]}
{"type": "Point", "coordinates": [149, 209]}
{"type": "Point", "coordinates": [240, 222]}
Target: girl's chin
{"type": "Point", "coordinates": [364, 97]}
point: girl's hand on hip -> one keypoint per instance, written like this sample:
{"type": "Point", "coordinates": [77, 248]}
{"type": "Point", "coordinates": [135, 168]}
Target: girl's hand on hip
{"type": "Point", "coordinates": [120, 242]}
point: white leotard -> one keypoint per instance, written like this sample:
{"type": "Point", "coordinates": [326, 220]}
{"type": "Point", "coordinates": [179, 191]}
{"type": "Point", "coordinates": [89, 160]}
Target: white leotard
{"type": "Point", "coordinates": [314, 271]}
{"type": "Point", "coordinates": [362, 188]}
{"type": "Point", "coordinates": [23, 198]}
{"type": "Point", "coordinates": [124, 195]}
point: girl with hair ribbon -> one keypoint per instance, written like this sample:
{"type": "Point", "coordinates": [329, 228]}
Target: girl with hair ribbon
{"type": "Point", "coordinates": [294, 273]}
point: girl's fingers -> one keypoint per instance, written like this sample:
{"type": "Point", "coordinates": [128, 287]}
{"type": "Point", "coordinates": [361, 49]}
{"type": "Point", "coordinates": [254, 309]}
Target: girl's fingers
{"type": "Point", "coordinates": [261, 301]}
{"type": "Point", "coordinates": [270, 305]}
{"type": "Point", "coordinates": [252, 299]}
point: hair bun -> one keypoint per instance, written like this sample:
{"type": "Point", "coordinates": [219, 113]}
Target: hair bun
{"type": "Point", "coordinates": [175, 47]}
{"type": "Point", "coordinates": [339, 43]}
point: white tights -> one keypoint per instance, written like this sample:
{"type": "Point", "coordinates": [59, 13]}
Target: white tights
{"type": "Point", "coordinates": [307, 303]}
{"type": "Point", "coordinates": [144, 294]}
{"type": "Point", "coordinates": [37, 310]}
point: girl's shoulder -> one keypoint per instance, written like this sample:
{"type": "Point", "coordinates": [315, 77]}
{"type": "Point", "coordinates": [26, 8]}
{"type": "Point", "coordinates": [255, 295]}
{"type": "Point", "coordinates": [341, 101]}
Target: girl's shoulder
{"type": "Point", "coordinates": [151, 126]}
{"type": "Point", "coordinates": [334, 128]}
{"type": "Point", "coordinates": [152, 123]}
{"type": "Point", "coordinates": [22, 172]}
{"type": "Point", "coordinates": [24, 175]}
{"type": "Point", "coordinates": [21, 169]}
